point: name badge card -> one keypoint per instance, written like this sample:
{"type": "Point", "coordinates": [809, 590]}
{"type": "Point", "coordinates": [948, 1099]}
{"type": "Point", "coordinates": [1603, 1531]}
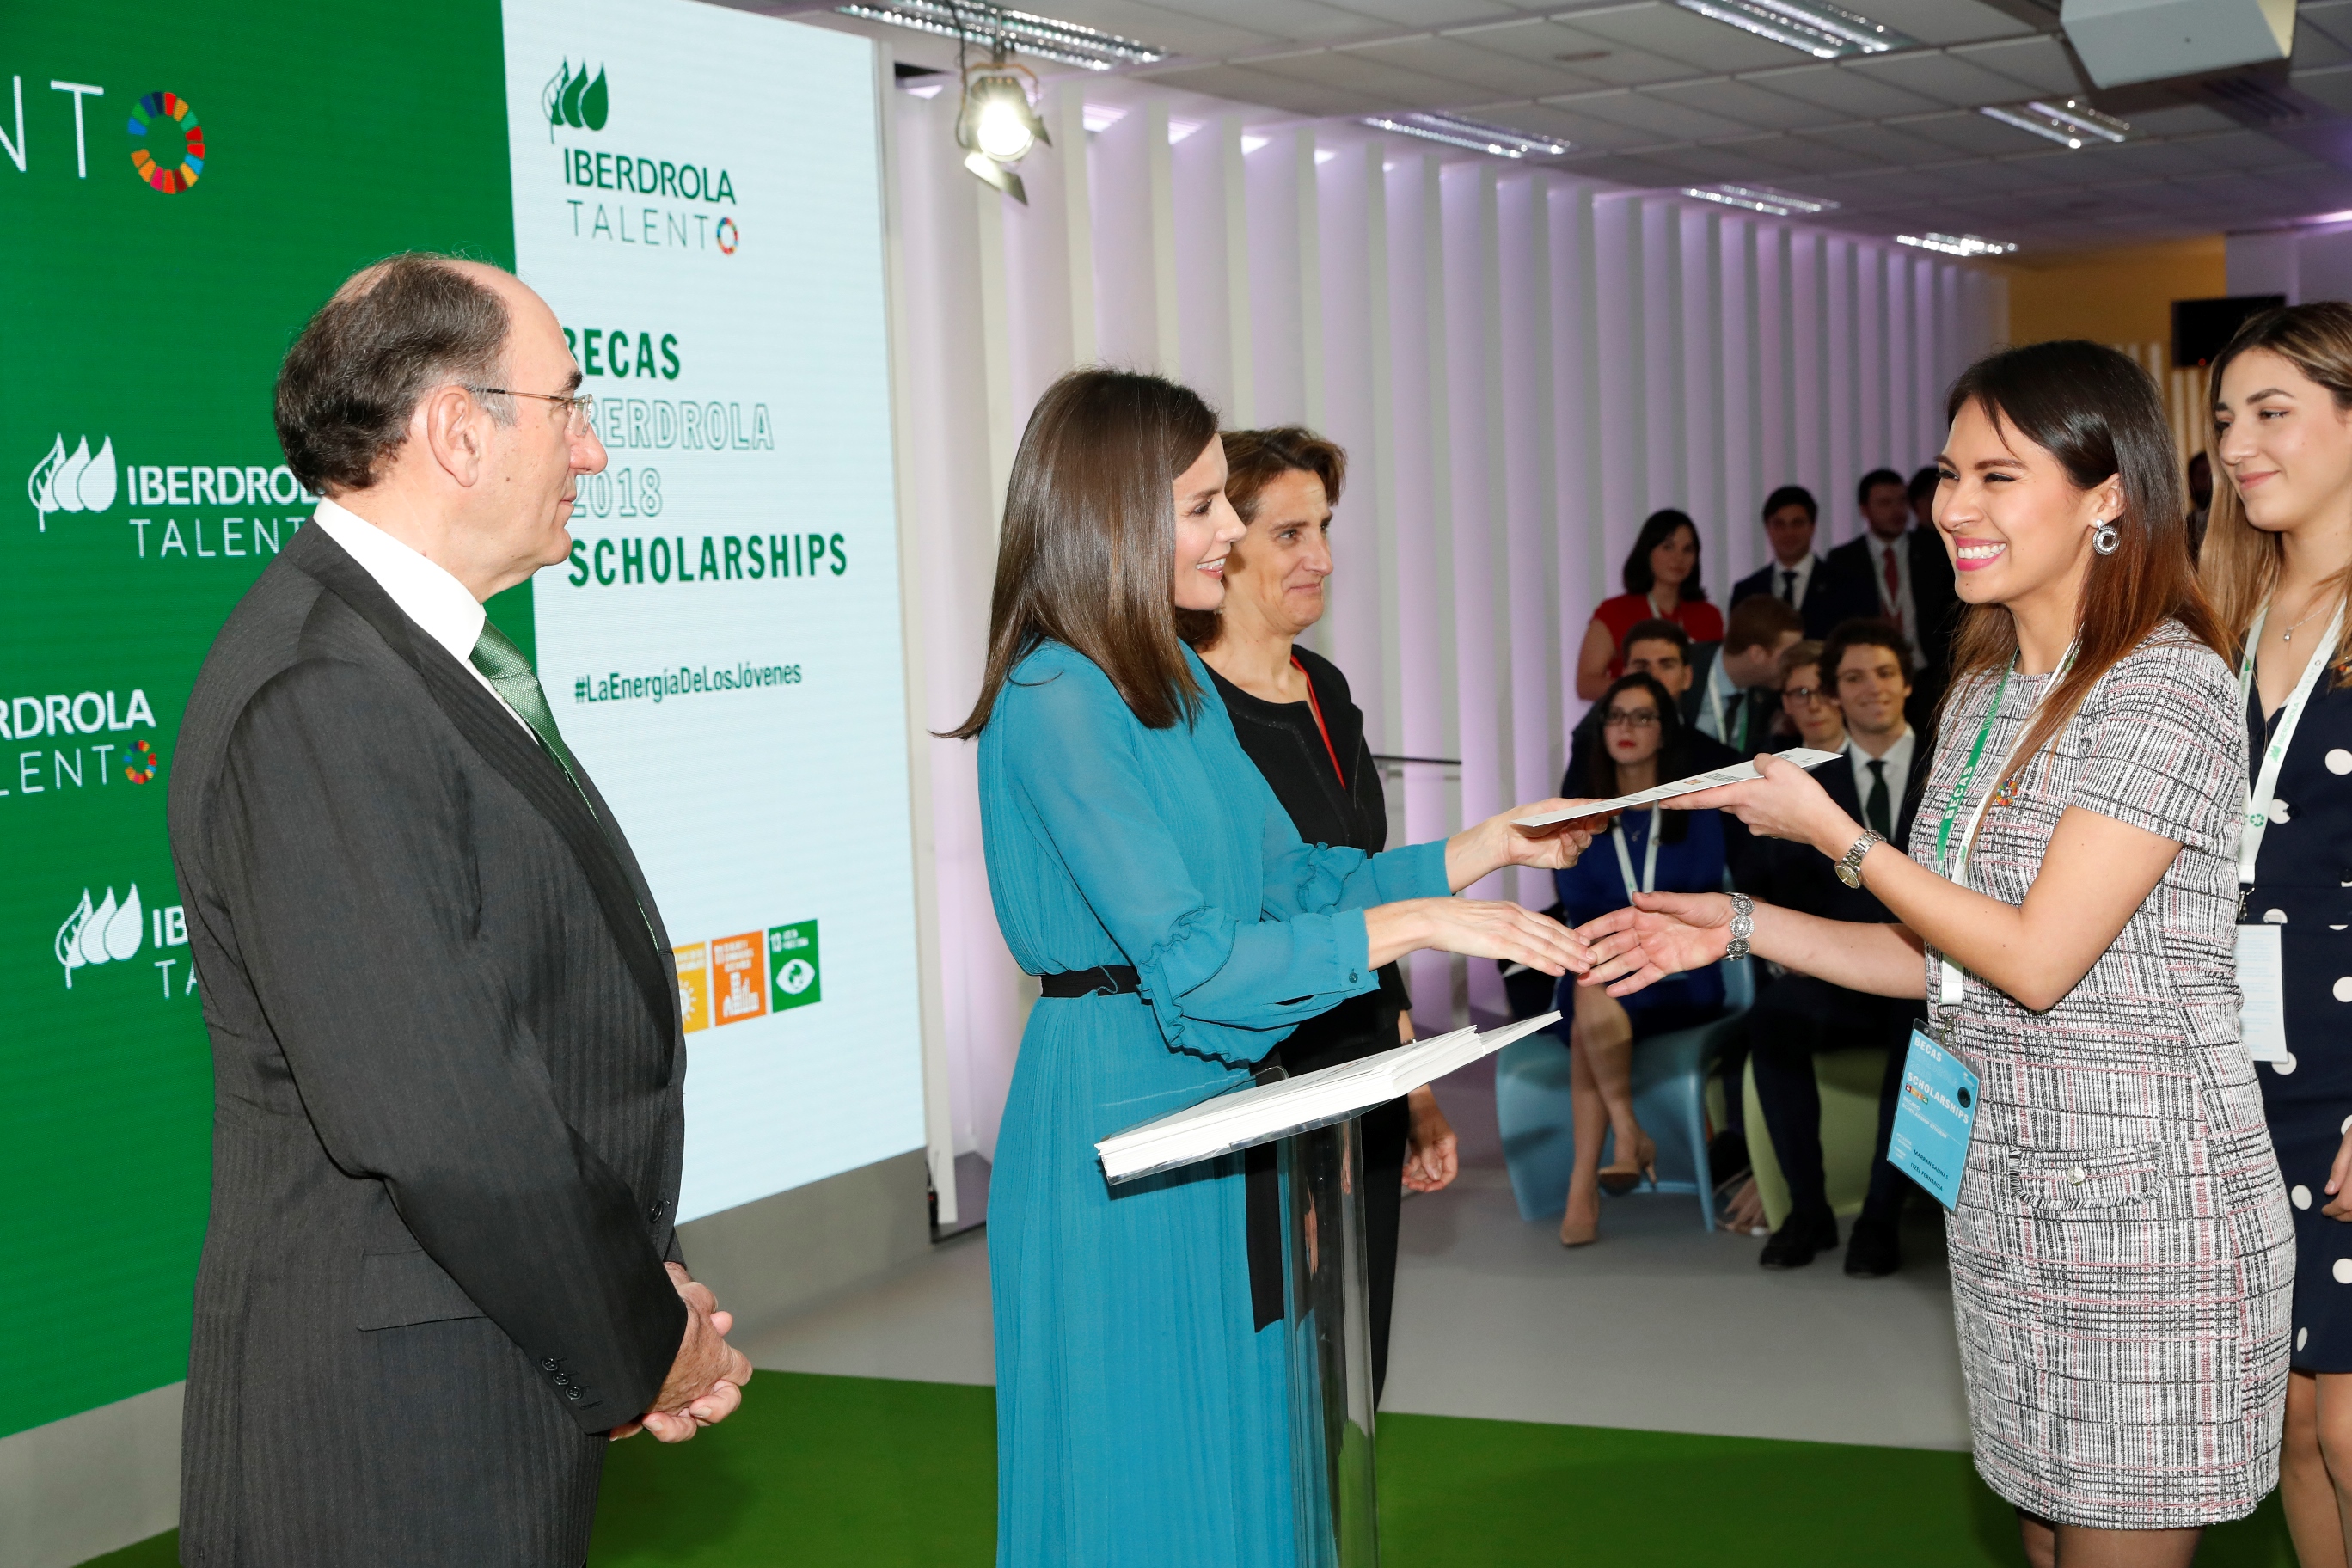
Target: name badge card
{"type": "Point", "coordinates": [2262, 990]}
{"type": "Point", "coordinates": [1935, 1116]}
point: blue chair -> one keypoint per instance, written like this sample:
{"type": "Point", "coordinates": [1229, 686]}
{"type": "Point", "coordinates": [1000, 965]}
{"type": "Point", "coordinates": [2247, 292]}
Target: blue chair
{"type": "Point", "coordinates": [1670, 1071]}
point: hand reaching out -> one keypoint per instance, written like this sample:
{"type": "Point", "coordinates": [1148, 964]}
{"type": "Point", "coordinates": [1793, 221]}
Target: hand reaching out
{"type": "Point", "coordinates": [1432, 1157]}
{"type": "Point", "coordinates": [705, 1382]}
{"type": "Point", "coordinates": [1661, 934]}
{"type": "Point", "coordinates": [1500, 841]}
{"type": "Point", "coordinates": [2339, 1183]}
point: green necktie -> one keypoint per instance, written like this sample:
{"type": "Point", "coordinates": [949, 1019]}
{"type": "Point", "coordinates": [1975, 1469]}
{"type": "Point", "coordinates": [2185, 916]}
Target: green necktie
{"type": "Point", "coordinates": [498, 658]}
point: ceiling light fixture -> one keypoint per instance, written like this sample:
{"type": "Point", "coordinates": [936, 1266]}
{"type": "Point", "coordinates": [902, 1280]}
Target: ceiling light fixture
{"type": "Point", "coordinates": [1476, 134]}
{"type": "Point", "coordinates": [1823, 31]}
{"type": "Point", "coordinates": [1761, 199]}
{"type": "Point", "coordinates": [2070, 123]}
{"type": "Point", "coordinates": [1957, 243]}
{"type": "Point", "coordinates": [1065, 42]}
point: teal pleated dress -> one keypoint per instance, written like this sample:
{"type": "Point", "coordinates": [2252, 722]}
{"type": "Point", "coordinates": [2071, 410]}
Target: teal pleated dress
{"type": "Point", "coordinates": [1140, 1422]}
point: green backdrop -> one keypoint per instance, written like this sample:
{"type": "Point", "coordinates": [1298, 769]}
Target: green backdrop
{"type": "Point", "coordinates": [155, 319]}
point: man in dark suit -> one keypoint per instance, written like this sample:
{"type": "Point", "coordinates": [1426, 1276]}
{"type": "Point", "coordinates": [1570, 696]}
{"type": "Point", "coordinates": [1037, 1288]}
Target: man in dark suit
{"type": "Point", "coordinates": [1904, 574]}
{"type": "Point", "coordinates": [1795, 575]}
{"type": "Point", "coordinates": [1662, 650]}
{"type": "Point", "coordinates": [1737, 684]}
{"type": "Point", "coordinates": [442, 1268]}
{"type": "Point", "coordinates": [1879, 782]}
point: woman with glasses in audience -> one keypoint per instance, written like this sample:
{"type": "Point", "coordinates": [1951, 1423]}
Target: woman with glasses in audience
{"type": "Point", "coordinates": [2278, 549]}
{"type": "Point", "coordinates": [1662, 583]}
{"type": "Point", "coordinates": [2122, 1249]}
{"type": "Point", "coordinates": [1292, 714]}
{"type": "Point", "coordinates": [1179, 929]}
{"type": "Point", "coordinates": [1809, 704]}
{"type": "Point", "coordinates": [1643, 743]}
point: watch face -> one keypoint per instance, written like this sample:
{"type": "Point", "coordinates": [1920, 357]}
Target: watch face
{"type": "Point", "coordinates": [1850, 875]}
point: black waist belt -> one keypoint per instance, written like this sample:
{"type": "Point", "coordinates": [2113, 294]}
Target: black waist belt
{"type": "Point", "coordinates": [1104, 979]}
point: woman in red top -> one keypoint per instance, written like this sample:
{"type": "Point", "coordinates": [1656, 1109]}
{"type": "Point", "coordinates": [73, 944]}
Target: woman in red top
{"type": "Point", "coordinates": [1661, 583]}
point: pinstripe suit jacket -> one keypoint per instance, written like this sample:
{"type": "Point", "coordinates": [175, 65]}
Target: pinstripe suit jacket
{"type": "Point", "coordinates": [446, 1121]}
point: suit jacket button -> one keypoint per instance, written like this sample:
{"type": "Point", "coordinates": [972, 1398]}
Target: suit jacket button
{"type": "Point", "coordinates": [655, 1212]}
{"type": "Point", "coordinates": [562, 1380]}
{"type": "Point", "coordinates": [551, 1364]}
{"type": "Point", "coordinates": [572, 1393]}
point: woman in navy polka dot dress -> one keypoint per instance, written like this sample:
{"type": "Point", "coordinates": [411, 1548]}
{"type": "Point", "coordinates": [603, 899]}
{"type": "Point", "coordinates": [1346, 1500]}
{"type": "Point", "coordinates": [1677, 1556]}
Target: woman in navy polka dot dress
{"type": "Point", "coordinates": [2276, 555]}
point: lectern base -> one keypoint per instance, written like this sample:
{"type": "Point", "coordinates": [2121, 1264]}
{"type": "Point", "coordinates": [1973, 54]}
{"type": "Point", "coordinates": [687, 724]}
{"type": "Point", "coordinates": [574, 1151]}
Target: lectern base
{"type": "Point", "coordinates": [1329, 1326]}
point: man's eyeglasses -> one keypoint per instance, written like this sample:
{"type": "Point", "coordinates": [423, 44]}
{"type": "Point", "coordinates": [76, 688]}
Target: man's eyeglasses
{"type": "Point", "coordinates": [1803, 696]}
{"type": "Point", "coordinates": [1630, 718]}
{"type": "Point", "coordinates": [580, 410]}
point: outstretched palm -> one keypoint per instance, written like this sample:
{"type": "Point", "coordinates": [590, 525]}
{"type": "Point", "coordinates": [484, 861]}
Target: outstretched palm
{"type": "Point", "coordinates": [1661, 934]}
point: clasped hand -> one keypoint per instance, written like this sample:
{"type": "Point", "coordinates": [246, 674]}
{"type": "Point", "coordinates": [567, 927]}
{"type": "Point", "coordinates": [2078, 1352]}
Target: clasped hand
{"type": "Point", "coordinates": [705, 1382]}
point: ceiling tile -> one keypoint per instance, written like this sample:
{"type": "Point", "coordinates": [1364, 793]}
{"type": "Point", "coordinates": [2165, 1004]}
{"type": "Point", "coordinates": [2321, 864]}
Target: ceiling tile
{"type": "Point", "coordinates": [1665, 120]}
{"type": "Point", "coordinates": [1965, 130]}
{"type": "Point", "coordinates": [1490, 73]}
{"type": "Point", "coordinates": [1952, 79]}
{"type": "Point", "coordinates": [1876, 145]}
{"type": "Point", "coordinates": [1742, 100]}
{"type": "Point", "coordinates": [2333, 88]}
{"type": "Point", "coordinates": [1582, 131]}
{"type": "Point", "coordinates": [1686, 35]}
{"type": "Point", "coordinates": [1375, 85]}
{"type": "Point", "coordinates": [1251, 84]}
{"type": "Point", "coordinates": [2184, 120]}
{"type": "Point", "coordinates": [2314, 49]}
{"type": "Point", "coordinates": [2330, 19]}
{"type": "Point", "coordinates": [1850, 93]}
{"type": "Point", "coordinates": [1942, 21]}
{"type": "Point", "coordinates": [2038, 62]}
{"type": "Point", "coordinates": [1615, 65]}
{"type": "Point", "coordinates": [1392, 14]}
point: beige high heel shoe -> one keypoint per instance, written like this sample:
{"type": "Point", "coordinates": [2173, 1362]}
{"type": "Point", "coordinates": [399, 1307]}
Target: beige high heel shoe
{"type": "Point", "coordinates": [1584, 1234]}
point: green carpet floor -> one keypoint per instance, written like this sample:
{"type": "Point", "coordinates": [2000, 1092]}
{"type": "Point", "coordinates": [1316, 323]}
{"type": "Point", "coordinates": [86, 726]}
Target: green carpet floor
{"type": "Point", "coordinates": [851, 1472]}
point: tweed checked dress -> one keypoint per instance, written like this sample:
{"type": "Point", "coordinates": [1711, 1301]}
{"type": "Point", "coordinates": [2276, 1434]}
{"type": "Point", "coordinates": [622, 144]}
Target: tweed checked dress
{"type": "Point", "coordinates": [2122, 1255]}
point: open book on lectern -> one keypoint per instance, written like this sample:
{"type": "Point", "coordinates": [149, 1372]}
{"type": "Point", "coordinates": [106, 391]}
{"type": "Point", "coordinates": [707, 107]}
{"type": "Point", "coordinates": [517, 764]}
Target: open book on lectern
{"type": "Point", "coordinates": [1243, 1117]}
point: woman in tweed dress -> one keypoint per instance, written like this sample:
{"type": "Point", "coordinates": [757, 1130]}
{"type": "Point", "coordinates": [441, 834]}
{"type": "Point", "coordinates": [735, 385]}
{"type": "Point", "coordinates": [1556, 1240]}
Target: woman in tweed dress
{"type": "Point", "coordinates": [2122, 1253]}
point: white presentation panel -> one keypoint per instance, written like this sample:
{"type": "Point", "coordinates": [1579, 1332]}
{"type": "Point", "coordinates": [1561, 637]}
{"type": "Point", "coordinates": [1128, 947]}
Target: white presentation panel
{"type": "Point", "coordinates": [697, 192]}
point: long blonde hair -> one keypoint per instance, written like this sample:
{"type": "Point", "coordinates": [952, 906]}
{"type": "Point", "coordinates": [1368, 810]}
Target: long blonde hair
{"type": "Point", "coordinates": [2241, 563]}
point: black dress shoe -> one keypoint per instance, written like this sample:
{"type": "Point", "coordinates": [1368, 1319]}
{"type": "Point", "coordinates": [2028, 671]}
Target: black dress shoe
{"type": "Point", "coordinates": [1874, 1251]}
{"type": "Point", "coordinates": [1798, 1239]}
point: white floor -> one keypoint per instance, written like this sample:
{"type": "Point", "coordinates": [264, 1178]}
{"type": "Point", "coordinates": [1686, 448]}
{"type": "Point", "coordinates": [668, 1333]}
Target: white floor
{"type": "Point", "coordinates": [1659, 1326]}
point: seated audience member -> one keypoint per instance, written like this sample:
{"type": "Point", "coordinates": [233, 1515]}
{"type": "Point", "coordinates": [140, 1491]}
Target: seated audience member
{"type": "Point", "coordinates": [1794, 575]}
{"type": "Point", "coordinates": [1661, 650]}
{"type": "Point", "coordinates": [1662, 583]}
{"type": "Point", "coordinates": [1879, 781]}
{"type": "Point", "coordinates": [1677, 851]}
{"type": "Point", "coordinates": [1809, 708]}
{"type": "Point", "coordinates": [1738, 697]}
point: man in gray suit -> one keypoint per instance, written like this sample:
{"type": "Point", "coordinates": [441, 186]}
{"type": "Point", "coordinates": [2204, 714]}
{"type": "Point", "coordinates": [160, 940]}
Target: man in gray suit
{"type": "Point", "coordinates": [442, 1268]}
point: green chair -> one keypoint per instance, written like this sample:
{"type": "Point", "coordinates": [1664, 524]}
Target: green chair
{"type": "Point", "coordinates": [1849, 1084]}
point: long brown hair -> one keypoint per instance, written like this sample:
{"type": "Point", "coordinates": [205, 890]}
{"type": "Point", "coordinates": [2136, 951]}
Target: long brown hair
{"type": "Point", "coordinates": [1087, 556]}
{"type": "Point", "coordinates": [2099, 415]}
{"type": "Point", "coordinates": [2242, 563]}
{"type": "Point", "coordinates": [1254, 459]}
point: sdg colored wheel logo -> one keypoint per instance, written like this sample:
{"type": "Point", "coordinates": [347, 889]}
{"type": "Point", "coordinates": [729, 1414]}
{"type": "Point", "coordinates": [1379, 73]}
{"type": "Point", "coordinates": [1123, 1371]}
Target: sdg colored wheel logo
{"type": "Point", "coordinates": [187, 163]}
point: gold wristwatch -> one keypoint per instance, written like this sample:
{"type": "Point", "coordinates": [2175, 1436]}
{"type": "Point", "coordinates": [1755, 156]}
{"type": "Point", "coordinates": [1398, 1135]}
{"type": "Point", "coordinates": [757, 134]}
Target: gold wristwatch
{"type": "Point", "coordinates": [1849, 871]}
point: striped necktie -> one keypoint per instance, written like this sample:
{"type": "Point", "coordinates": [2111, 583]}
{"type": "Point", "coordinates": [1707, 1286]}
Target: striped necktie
{"type": "Point", "coordinates": [507, 668]}
{"type": "Point", "coordinates": [496, 655]}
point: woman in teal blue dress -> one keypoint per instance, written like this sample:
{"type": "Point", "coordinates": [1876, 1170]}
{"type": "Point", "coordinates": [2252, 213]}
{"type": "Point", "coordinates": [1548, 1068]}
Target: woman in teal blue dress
{"type": "Point", "coordinates": [1141, 865]}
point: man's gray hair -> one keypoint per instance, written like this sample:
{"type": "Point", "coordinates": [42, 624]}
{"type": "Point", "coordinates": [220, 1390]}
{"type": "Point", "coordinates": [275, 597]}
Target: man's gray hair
{"type": "Point", "coordinates": [392, 332]}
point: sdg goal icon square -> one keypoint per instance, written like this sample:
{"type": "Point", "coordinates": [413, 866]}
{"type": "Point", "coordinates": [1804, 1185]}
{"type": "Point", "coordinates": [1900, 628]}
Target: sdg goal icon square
{"type": "Point", "coordinates": [739, 964]}
{"type": "Point", "coordinates": [795, 978]}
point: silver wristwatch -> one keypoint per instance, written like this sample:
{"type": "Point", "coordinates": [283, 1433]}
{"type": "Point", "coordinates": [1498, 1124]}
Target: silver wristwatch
{"type": "Point", "coordinates": [1743, 926]}
{"type": "Point", "coordinates": [1849, 871]}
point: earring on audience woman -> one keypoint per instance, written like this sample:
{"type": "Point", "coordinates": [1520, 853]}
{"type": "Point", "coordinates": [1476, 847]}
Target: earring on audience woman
{"type": "Point", "coordinates": [2069, 921]}
{"type": "Point", "coordinates": [2278, 549]}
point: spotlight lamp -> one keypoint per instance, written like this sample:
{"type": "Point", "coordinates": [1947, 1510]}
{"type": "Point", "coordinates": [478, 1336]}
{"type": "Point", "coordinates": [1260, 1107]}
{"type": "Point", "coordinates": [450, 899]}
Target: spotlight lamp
{"type": "Point", "coordinates": [998, 122]}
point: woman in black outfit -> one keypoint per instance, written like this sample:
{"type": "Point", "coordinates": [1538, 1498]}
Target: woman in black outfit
{"type": "Point", "coordinates": [1293, 715]}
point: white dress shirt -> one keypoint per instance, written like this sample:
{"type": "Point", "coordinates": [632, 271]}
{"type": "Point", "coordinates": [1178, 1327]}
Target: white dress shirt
{"type": "Point", "coordinates": [1795, 594]}
{"type": "Point", "coordinates": [425, 591]}
{"type": "Point", "coordinates": [1899, 772]}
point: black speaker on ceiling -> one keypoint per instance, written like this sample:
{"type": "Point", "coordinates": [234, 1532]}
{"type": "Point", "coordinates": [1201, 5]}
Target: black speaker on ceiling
{"type": "Point", "coordinates": [2202, 328]}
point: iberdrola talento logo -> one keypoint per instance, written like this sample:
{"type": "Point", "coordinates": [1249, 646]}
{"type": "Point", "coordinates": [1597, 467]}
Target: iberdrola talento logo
{"type": "Point", "coordinates": [575, 100]}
